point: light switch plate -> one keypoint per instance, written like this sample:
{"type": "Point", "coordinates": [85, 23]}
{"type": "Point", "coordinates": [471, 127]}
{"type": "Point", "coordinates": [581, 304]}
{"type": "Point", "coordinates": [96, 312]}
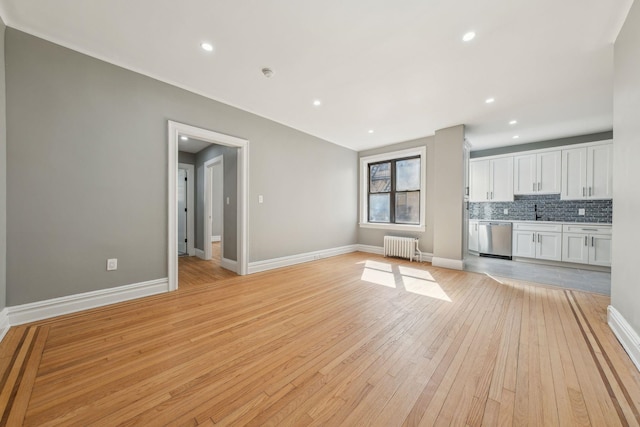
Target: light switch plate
{"type": "Point", "coordinates": [112, 264]}
{"type": "Point", "coordinates": [581, 211]}
{"type": "Point", "coordinates": [506, 211]}
{"type": "Point", "coordinates": [260, 199]}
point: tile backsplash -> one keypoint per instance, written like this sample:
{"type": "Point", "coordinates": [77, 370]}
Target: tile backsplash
{"type": "Point", "coordinates": [549, 206]}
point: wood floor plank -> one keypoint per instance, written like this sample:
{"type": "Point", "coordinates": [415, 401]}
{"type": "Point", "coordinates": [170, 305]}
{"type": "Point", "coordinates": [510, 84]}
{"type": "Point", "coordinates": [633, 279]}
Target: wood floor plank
{"type": "Point", "coordinates": [356, 339]}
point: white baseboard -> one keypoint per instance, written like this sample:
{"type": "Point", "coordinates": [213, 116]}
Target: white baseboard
{"type": "Point", "coordinates": [200, 253]}
{"type": "Point", "coordinates": [215, 239]}
{"type": "Point", "coordinates": [229, 264]}
{"type": "Point", "coordinates": [625, 334]}
{"type": "Point", "coordinates": [4, 323]}
{"type": "Point", "coordinates": [270, 264]}
{"type": "Point", "coordinates": [453, 264]}
{"type": "Point", "coordinates": [379, 250]}
{"type": "Point", "coordinates": [31, 312]}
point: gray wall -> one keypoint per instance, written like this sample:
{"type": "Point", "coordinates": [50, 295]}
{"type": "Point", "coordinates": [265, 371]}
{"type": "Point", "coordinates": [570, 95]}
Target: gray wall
{"type": "Point", "coordinates": [449, 193]}
{"type": "Point", "coordinates": [87, 143]}
{"type": "Point", "coordinates": [187, 158]}
{"type": "Point", "coordinates": [592, 137]}
{"type": "Point", "coordinates": [3, 175]}
{"type": "Point", "coordinates": [230, 162]}
{"type": "Point", "coordinates": [625, 286]}
{"type": "Point", "coordinates": [375, 237]}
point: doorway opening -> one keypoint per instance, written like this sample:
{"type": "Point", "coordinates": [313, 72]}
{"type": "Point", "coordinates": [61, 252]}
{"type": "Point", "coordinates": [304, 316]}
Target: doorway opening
{"type": "Point", "coordinates": [233, 244]}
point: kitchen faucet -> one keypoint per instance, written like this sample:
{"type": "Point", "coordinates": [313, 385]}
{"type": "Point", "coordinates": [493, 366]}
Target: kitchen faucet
{"type": "Point", "coordinates": [535, 209]}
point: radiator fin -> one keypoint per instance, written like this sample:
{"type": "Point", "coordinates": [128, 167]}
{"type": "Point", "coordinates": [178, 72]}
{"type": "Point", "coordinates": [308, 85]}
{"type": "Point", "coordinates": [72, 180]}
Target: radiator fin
{"type": "Point", "coordinates": [403, 247]}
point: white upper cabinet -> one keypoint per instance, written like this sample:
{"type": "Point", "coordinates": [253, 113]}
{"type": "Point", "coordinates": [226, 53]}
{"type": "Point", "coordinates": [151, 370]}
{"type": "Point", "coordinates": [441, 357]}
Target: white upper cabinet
{"type": "Point", "coordinates": [491, 180]}
{"type": "Point", "coordinates": [600, 172]}
{"type": "Point", "coordinates": [537, 173]}
{"type": "Point", "coordinates": [479, 180]}
{"type": "Point", "coordinates": [587, 172]}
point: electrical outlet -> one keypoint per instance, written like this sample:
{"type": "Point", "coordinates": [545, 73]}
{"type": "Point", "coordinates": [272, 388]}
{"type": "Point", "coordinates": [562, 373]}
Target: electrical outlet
{"type": "Point", "coordinates": [506, 211]}
{"type": "Point", "coordinates": [260, 199]}
{"type": "Point", "coordinates": [227, 200]}
{"type": "Point", "coordinates": [112, 264]}
{"type": "Point", "coordinates": [581, 212]}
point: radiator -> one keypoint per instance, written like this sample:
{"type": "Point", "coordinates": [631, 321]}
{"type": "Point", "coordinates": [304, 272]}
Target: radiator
{"type": "Point", "coordinates": [403, 247]}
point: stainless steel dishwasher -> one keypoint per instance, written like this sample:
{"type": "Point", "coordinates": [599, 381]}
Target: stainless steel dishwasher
{"type": "Point", "coordinates": [494, 239]}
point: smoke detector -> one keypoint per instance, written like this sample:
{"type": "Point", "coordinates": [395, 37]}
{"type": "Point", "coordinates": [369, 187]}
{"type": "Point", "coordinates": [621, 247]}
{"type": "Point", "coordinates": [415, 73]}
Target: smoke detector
{"type": "Point", "coordinates": [268, 72]}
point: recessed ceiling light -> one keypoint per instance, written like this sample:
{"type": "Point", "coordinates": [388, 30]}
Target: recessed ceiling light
{"type": "Point", "coordinates": [317, 102]}
{"type": "Point", "coordinates": [513, 122]}
{"type": "Point", "coordinates": [469, 36]}
{"type": "Point", "coordinates": [370, 130]}
{"type": "Point", "coordinates": [490, 100]}
{"type": "Point", "coordinates": [206, 46]}
{"type": "Point", "coordinates": [516, 136]}
{"type": "Point", "coordinates": [184, 138]}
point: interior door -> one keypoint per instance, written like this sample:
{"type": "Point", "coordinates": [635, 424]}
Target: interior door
{"type": "Point", "coordinates": [182, 211]}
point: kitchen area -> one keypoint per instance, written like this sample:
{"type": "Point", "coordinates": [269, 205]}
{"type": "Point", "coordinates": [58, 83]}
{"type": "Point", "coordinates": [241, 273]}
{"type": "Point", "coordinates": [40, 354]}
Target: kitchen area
{"type": "Point", "coordinates": [543, 215]}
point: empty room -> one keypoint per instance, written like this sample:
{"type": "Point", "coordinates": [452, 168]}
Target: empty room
{"type": "Point", "coordinates": [286, 213]}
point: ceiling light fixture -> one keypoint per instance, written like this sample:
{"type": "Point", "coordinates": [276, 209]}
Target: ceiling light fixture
{"type": "Point", "coordinates": [469, 36]}
{"type": "Point", "coordinates": [184, 138]}
{"type": "Point", "coordinates": [516, 136]}
{"type": "Point", "coordinates": [268, 72]}
{"type": "Point", "coordinates": [317, 102]}
{"type": "Point", "coordinates": [490, 100]}
{"type": "Point", "coordinates": [206, 46]}
{"type": "Point", "coordinates": [370, 130]}
{"type": "Point", "coordinates": [513, 122]}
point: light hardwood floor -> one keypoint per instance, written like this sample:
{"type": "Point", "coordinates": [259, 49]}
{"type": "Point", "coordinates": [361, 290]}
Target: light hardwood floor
{"type": "Point", "coordinates": [351, 340]}
{"type": "Point", "coordinates": [194, 272]}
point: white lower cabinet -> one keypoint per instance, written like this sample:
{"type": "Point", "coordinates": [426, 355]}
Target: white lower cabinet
{"type": "Point", "coordinates": [537, 240]}
{"type": "Point", "coordinates": [585, 244]}
{"type": "Point", "coordinates": [473, 236]}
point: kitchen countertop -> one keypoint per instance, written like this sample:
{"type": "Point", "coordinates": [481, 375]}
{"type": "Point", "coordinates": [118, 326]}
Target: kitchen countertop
{"type": "Point", "coordinates": [588, 224]}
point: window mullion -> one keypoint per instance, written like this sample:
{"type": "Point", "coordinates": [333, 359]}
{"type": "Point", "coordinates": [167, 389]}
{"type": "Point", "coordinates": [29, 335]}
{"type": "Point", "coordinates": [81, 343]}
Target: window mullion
{"type": "Point", "coordinates": [392, 194]}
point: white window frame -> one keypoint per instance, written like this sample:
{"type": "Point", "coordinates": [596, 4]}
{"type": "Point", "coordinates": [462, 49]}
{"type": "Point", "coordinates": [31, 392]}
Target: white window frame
{"type": "Point", "coordinates": [364, 188]}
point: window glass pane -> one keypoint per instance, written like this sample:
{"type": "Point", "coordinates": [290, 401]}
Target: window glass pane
{"type": "Point", "coordinates": [379, 208]}
{"type": "Point", "coordinates": [408, 208]}
{"type": "Point", "coordinates": [408, 175]}
{"type": "Point", "coordinates": [380, 178]}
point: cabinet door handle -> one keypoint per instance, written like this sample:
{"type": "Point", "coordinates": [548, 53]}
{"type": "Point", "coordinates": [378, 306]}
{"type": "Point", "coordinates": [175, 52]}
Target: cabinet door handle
{"type": "Point", "coordinates": [591, 241]}
{"type": "Point", "coordinates": [492, 195]}
{"type": "Point", "coordinates": [487, 195]}
{"type": "Point", "coordinates": [533, 236]}
{"type": "Point", "coordinates": [584, 191]}
{"type": "Point", "coordinates": [539, 186]}
{"type": "Point", "coordinates": [538, 237]}
{"type": "Point", "coordinates": [589, 191]}
{"type": "Point", "coordinates": [534, 186]}
{"type": "Point", "coordinates": [585, 240]}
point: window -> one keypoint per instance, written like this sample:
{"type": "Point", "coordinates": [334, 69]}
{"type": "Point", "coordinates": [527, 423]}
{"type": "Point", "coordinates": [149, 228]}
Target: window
{"type": "Point", "coordinates": [392, 190]}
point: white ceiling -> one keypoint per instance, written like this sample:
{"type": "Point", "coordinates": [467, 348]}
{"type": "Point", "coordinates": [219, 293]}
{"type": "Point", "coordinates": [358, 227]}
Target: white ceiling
{"type": "Point", "coordinates": [191, 145]}
{"type": "Point", "coordinates": [399, 68]}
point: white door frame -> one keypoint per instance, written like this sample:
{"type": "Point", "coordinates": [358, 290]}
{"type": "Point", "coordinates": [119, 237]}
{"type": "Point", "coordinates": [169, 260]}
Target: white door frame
{"type": "Point", "coordinates": [176, 129]}
{"type": "Point", "coordinates": [191, 176]}
{"type": "Point", "coordinates": [208, 193]}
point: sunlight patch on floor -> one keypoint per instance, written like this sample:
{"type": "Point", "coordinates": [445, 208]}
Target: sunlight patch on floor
{"type": "Point", "coordinates": [378, 277]}
{"type": "Point", "coordinates": [413, 280]}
